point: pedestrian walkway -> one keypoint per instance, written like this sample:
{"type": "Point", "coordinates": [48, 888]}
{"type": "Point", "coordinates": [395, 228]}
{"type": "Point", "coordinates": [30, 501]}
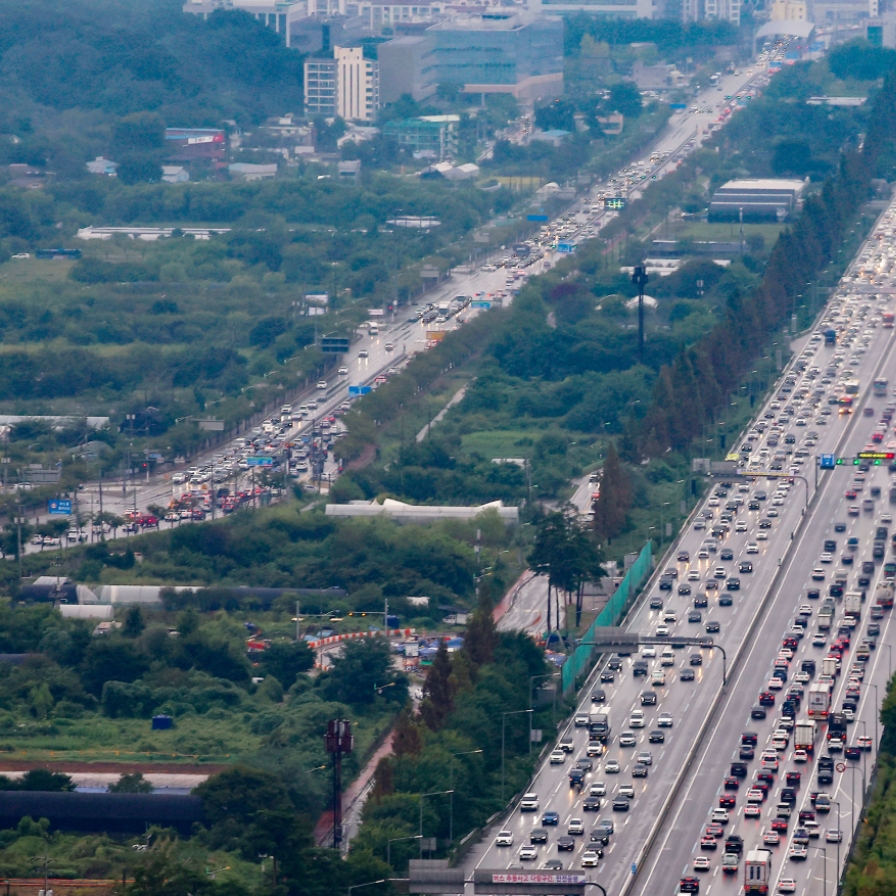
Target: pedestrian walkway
{"type": "Point", "coordinates": [455, 399]}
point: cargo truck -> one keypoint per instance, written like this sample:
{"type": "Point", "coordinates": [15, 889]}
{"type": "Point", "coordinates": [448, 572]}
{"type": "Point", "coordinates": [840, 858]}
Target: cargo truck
{"type": "Point", "coordinates": [757, 871]}
{"type": "Point", "coordinates": [819, 703]}
{"type": "Point", "coordinates": [830, 336]}
{"type": "Point", "coordinates": [883, 594]}
{"type": "Point", "coordinates": [836, 731]}
{"type": "Point", "coordinates": [829, 667]}
{"type": "Point", "coordinates": [599, 725]}
{"type": "Point", "coordinates": [852, 604]}
{"type": "Point", "coordinates": [804, 735]}
{"type": "Point", "coordinates": [825, 615]}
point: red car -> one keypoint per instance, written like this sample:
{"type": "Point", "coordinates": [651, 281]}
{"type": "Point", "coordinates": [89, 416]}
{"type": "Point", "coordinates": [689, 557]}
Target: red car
{"type": "Point", "coordinates": [732, 783]}
{"type": "Point", "coordinates": [714, 830]}
{"type": "Point", "coordinates": [726, 801]}
{"type": "Point", "coordinates": [766, 698]}
{"type": "Point", "coordinates": [708, 843]}
{"type": "Point", "coordinates": [850, 495]}
{"type": "Point", "coordinates": [779, 824]}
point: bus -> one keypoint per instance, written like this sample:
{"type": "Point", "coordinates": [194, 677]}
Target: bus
{"type": "Point", "coordinates": [757, 871]}
{"type": "Point", "coordinates": [851, 387]}
{"type": "Point", "coordinates": [887, 317]}
{"type": "Point", "coordinates": [880, 386]}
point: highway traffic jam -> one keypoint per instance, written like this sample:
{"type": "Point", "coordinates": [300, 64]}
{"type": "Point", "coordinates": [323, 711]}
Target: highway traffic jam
{"type": "Point", "coordinates": [787, 791]}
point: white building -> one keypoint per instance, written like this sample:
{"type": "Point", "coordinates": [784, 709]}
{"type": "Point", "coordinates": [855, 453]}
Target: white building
{"type": "Point", "coordinates": [277, 15]}
{"type": "Point", "coordinates": [357, 84]}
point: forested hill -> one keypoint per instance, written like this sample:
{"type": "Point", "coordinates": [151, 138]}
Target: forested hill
{"type": "Point", "coordinates": [67, 70]}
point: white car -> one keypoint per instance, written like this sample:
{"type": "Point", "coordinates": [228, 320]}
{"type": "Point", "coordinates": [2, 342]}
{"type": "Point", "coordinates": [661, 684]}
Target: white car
{"type": "Point", "coordinates": [787, 885]}
{"type": "Point", "coordinates": [557, 757]}
{"type": "Point", "coordinates": [752, 548]}
{"type": "Point", "coordinates": [504, 838]}
{"type": "Point", "coordinates": [664, 720]}
{"type": "Point", "coordinates": [720, 816]}
{"type": "Point", "coordinates": [800, 756]}
{"type": "Point", "coordinates": [590, 858]}
{"type": "Point", "coordinates": [528, 853]}
{"type": "Point", "coordinates": [321, 384]}
{"type": "Point", "coordinates": [611, 767]}
{"type": "Point", "coordinates": [598, 788]}
{"type": "Point", "coordinates": [343, 371]}
{"type": "Point", "coordinates": [575, 826]}
{"type": "Point", "coordinates": [637, 719]}
{"type": "Point", "coordinates": [648, 651]}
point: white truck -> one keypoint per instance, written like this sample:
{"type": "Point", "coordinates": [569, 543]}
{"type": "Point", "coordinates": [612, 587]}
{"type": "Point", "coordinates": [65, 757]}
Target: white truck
{"type": "Point", "coordinates": [829, 667]}
{"type": "Point", "coordinates": [804, 735]}
{"type": "Point", "coordinates": [883, 594]}
{"type": "Point", "coordinates": [852, 604]}
{"type": "Point", "coordinates": [819, 703]}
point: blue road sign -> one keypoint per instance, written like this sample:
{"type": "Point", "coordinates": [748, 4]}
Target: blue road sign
{"type": "Point", "coordinates": [485, 305]}
{"type": "Point", "coordinates": [260, 461]}
{"type": "Point", "coordinates": [359, 390]}
{"type": "Point", "coordinates": [828, 462]}
{"type": "Point", "coordinates": [59, 507]}
{"type": "Point", "coordinates": [567, 248]}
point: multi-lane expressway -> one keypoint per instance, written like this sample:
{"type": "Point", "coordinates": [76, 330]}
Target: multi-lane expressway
{"type": "Point", "coordinates": [668, 813]}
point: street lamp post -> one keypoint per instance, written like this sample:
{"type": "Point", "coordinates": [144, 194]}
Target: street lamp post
{"type": "Point", "coordinates": [825, 854]}
{"type": "Point", "coordinates": [533, 678]}
{"type": "Point", "coordinates": [512, 712]}
{"type": "Point", "coordinates": [451, 785]}
{"type": "Point", "coordinates": [839, 838]}
{"type": "Point", "coordinates": [397, 840]}
{"type": "Point", "coordinates": [423, 797]}
{"type": "Point", "coordinates": [876, 712]}
{"type": "Point", "coordinates": [369, 883]}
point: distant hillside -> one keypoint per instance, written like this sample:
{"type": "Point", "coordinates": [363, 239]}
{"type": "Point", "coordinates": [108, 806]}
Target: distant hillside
{"type": "Point", "coordinates": [68, 70]}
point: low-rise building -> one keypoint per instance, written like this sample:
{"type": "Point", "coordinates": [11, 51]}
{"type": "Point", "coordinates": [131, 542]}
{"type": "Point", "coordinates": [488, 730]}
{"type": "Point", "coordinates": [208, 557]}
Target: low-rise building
{"type": "Point", "coordinates": [248, 171]}
{"type": "Point", "coordinates": [770, 199]}
{"type": "Point", "coordinates": [104, 167]}
{"type": "Point", "coordinates": [174, 174]}
{"type": "Point", "coordinates": [430, 136]}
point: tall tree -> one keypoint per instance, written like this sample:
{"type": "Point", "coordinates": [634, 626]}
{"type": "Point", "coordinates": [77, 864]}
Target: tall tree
{"type": "Point", "coordinates": [438, 696]}
{"type": "Point", "coordinates": [406, 739]}
{"type": "Point", "coordinates": [481, 635]}
{"type": "Point", "coordinates": [611, 509]}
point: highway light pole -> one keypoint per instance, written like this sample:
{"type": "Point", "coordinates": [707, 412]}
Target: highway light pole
{"type": "Point", "coordinates": [533, 678]}
{"type": "Point", "coordinates": [839, 838]}
{"type": "Point", "coordinates": [451, 785]}
{"type": "Point", "coordinates": [825, 853]}
{"type": "Point", "coordinates": [876, 710]}
{"type": "Point", "coordinates": [423, 797]}
{"type": "Point", "coordinates": [397, 840]}
{"type": "Point", "coordinates": [512, 712]}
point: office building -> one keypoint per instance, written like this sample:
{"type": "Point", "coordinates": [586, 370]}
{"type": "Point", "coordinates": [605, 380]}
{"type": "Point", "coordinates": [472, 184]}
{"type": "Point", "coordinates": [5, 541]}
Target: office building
{"type": "Point", "coordinates": [320, 87]}
{"type": "Point", "coordinates": [348, 85]}
{"type": "Point", "coordinates": [408, 66]}
{"type": "Point", "coordinates": [278, 15]}
{"type": "Point", "coordinates": [624, 9]}
{"type": "Point", "coordinates": [432, 136]}
{"type": "Point", "coordinates": [771, 199]}
{"type": "Point", "coordinates": [722, 11]}
{"type": "Point", "coordinates": [499, 51]}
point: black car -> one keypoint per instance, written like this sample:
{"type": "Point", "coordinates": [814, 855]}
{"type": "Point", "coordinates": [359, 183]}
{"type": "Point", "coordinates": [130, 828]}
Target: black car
{"type": "Point", "coordinates": [700, 600]}
{"type": "Point", "coordinates": [726, 554]}
{"type": "Point", "coordinates": [874, 629]}
{"type": "Point", "coordinates": [566, 844]}
{"type": "Point", "coordinates": [599, 835]}
{"type": "Point", "coordinates": [813, 594]}
{"type": "Point", "coordinates": [695, 659]}
{"type": "Point", "coordinates": [738, 770]}
{"type": "Point", "coordinates": [648, 697]}
{"type": "Point", "coordinates": [686, 675]}
{"type": "Point", "coordinates": [757, 712]}
{"type": "Point", "coordinates": [733, 584]}
{"type": "Point", "coordinates": [553, 865]}
{"type": "Point", "coordinates": [657, 736]}
{"type": "Point", "coordinates": [656, 603]}
{"type": "Point", "coordinates": [726, 599]}
{"type": "Point", "coordinates": [538, 835]}
{"type": "Point", "coordinates": [591, 804]}
{"type": "Point", "coordinates": [765, 523]}
{"type": "Point", "coordinates": [585, 763]}
{"type": "Point", "coordinates": [684, 589]}
{"type": "Point", "coordinates": [640, 667]}
{"type": "Point", "coordinates": [621, 804]}
{"type": "Point", "coordinates": [598, 695]}
{"type": "Point", "coordinates": [766, 698]}
{"type": "Point", "coordinates": [734, 843]}
{"type": "Point", "coordinates": [753, 505]}
{"type": "Point", "coordinates": [839, 527]}
{"type": "Point", "coordinates": [607, 675]}
{"type": "Point", "coordinates": [665, 584]}
{"type": "Point", "coordinates": [614, 662]}
{"type": "Point", "coordinates": [712, 627]}
{"type": "Point", "coordinates": [746, 752]}
{"type": "Point", "coordinates": [695, 616]}
{"type": "Point", "coordinates": [745, 566]}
